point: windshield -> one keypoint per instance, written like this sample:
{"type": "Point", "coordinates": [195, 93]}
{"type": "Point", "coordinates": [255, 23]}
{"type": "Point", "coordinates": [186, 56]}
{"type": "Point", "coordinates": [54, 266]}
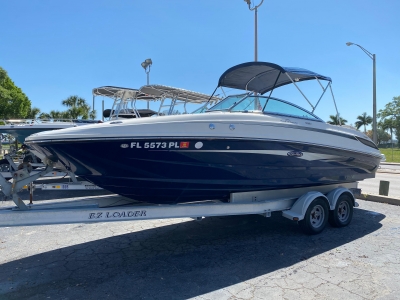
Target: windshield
{"type": "Point", "coordinates": [228, 102]}
{"type": "Point", "coordinates": [238, 103]}
{"type": "Point", "coordinates": [200, 110]}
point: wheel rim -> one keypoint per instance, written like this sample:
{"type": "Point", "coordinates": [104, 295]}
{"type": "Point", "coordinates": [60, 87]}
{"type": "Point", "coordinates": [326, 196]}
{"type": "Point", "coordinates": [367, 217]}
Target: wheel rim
{"type": "Point", "coordinates": [5, 168]}
{"type": "Point", "coordinates": [343, 211]}
{"type": "Point", "coordinates": [317, 216]}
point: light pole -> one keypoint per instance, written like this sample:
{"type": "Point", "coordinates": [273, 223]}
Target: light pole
{"type": "Point", "coordinates": [254, 7]}
{"type": "Point", "coordinates": [147, 64]}
{"type": "Point", "coordinates": [373, 57]}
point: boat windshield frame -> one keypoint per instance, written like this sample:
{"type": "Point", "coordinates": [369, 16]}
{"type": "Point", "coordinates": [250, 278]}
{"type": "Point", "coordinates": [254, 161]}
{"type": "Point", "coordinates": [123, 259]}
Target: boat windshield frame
{"type": "Point", "coordinates": [268, 98]}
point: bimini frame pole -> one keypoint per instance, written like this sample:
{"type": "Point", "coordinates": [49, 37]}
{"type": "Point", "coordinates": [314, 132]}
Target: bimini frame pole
{"type": "Point", "coordinates": [337, 112]}
{"type": "Point", "coordinates": [323, 93]}
{"type": "Point", "coordinates": [273, 88]}
{"type": "Point", "coordinates": [299, 89]}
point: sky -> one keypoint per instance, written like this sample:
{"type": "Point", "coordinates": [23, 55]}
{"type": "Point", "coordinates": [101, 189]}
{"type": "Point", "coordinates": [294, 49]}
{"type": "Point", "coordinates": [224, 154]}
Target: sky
{"type": "Point", "coordinates": [55, 49]}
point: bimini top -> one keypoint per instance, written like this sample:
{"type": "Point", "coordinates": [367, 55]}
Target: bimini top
{"type": "Point", "coordinates": [163, 92]}
{"type": "Point", "coordinates": [261, 77]}
{"type": "Point", "coordinates": [120, 93]}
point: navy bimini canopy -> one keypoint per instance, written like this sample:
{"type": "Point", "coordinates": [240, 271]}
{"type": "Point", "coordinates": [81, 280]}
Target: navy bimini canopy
{"type": "Point", "coordinates": [262, 77]}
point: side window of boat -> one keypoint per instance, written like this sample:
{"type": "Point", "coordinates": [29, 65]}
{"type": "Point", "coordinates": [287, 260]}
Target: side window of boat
{"type": "Point", "coordinates": [279, 107]}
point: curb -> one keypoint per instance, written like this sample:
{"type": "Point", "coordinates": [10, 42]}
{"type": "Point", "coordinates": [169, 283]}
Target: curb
{"type": "Point", "coordinates": [390, 163]}
{"type": "Point", "coordinates": [388, 171]}
{"type": "Point", "coordinates": [380, 199]}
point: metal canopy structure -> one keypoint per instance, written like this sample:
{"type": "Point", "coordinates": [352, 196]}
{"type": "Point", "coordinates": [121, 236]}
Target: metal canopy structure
{"type": "Point", "coordinates": [177, 96]}
{"type": "Point", "coordinates": [163, 91]}
{"type": "Point", "coordinates": [120, 93]}
{"type": "Point", "coordinates": [261, 77]}
{"type": "Point", "coordinates": [125, 99]}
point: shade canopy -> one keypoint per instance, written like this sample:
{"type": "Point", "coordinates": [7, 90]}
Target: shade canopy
{"type": "Point", "coordinates": [163, 91]}
{"type": "Point", "coordinates": [262, 77]}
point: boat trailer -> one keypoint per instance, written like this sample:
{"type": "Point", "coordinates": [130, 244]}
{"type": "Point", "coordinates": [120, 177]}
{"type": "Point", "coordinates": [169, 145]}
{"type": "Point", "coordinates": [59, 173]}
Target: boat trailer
{"type": "Point", "coordinates": [310, 206]}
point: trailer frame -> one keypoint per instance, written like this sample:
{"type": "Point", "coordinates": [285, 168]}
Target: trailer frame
{"type": "Point", "coordinates": [293, 203]}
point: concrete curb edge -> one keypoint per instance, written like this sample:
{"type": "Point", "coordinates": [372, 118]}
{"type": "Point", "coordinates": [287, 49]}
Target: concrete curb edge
{"type": "Point", "coordinates": [380, 199]}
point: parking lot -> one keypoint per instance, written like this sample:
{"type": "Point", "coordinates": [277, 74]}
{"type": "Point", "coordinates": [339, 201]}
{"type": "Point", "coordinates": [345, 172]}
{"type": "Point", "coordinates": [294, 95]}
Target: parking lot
{"type": "Point", "coordinates": [239, 257]}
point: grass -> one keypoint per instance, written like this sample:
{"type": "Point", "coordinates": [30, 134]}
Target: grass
{"type": "Point", "coordinates": [5, 146]}
{"type": "Point", "coordinates": [388, 153]}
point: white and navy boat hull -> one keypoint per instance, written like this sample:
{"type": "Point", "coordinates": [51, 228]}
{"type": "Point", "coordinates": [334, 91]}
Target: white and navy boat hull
{"type": "Point", "coordinates": [209, 156]}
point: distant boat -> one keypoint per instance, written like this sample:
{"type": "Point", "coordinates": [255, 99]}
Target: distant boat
{"type": "Point", "coordinates": [22, 128]}
{"type": "Point", "coordinates": [168, 99]}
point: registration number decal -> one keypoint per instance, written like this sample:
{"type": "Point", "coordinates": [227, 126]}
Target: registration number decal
{"type": "Point", "coordinates": [160, 145]}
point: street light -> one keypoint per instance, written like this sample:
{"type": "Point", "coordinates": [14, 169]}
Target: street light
{"type": "Point", "coordinates": [147, 64]}
{"type": "Point", "coordinates": [373, 57]}
{"type": "Point", "coordinates": [254, 7]}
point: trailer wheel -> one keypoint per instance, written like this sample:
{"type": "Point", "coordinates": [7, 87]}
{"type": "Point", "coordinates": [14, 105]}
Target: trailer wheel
{"type": "Point", "coordinates": [4, 165]}
{"type": "Point", "coordinates": [316, 217]}
{"type": "Point", "coordinates": [343, 213]}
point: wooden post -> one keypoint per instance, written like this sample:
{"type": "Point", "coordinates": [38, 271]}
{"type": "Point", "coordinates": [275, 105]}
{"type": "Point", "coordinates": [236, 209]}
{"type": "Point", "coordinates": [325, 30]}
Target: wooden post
{"type": "Point", "coordinates": [384, 188]}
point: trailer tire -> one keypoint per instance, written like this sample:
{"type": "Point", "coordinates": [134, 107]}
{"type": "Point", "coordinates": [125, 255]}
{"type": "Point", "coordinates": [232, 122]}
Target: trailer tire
{"type": "Point", "coordinates": [316, 217]}
{"type": "Point", "coordinates": [4, 165]}
{"type": "Point", "coordinates": [343, 213]}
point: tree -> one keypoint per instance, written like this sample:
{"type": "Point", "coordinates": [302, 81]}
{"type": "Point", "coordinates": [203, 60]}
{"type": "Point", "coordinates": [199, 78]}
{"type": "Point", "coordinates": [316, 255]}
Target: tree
{"type": "Point", "coordinates": [363, 120]}
{"type": "Point", "coordinates": [392, 112]}
{"type": "Point", "coordinates": [388, 124]}
{"type": "Point", "coordinates": [33, 113]}
{"type": "Point", "coordinates": [13, 102]}
{"type": "Point", "coordinates": [335, 121]}
{"type": "Point", "coordinates": [55, 115]}
{"type": "Point", "coordinates": [78, 108]}
{"type": "Point", "coordinates": [382, 136]}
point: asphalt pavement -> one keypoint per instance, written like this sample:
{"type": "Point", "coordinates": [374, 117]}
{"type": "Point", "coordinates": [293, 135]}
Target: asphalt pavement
{"type": "Point", "coordinates": [238, 257]}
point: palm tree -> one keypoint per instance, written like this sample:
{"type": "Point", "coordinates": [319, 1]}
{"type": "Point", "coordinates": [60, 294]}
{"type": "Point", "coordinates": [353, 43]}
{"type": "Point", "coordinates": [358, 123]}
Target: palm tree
{"type": "Point", "coordinates": [388, 124]}
{"type": "Point", "coordinates": [55, 115]}
{"type": "Point", "coordinates": [363, 120]}
{"type": "Point", "coordinates": [77, 107]}
{"type": "Point", "coordinates": [33, 113]}
{"type": "Point", "coordinates": [334, 120]}
{"type": "Point", "coordinates": [44, 116]}
{"type": "Point", "coordinates": [92, 114]}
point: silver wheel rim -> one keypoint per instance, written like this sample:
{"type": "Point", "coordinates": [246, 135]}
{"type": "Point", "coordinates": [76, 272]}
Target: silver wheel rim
{"type": "Point", "coordinates": [317, 216]}
{"type": "Point", "coordinates": [343, 211]}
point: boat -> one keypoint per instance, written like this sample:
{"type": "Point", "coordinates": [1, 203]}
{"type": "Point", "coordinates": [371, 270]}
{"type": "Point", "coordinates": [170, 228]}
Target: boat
{"type": "Point", "coordinates": [22, 128]}
{"type": "Point", "coordinates": [126, 101]}
{"type": "Point", "coordinates": [250, 141]}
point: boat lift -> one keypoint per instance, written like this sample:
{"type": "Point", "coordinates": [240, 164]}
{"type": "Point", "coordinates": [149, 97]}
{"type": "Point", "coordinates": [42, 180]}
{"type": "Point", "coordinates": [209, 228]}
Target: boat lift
{"type": "Point", "coordinates": [312, 207]}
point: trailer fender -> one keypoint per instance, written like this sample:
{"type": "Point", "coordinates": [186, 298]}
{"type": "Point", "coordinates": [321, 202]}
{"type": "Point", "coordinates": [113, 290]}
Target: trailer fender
{"type": "Point", "coordinates": [299, 208]}
{"type": "Point", "coordinates": [334, 195]}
